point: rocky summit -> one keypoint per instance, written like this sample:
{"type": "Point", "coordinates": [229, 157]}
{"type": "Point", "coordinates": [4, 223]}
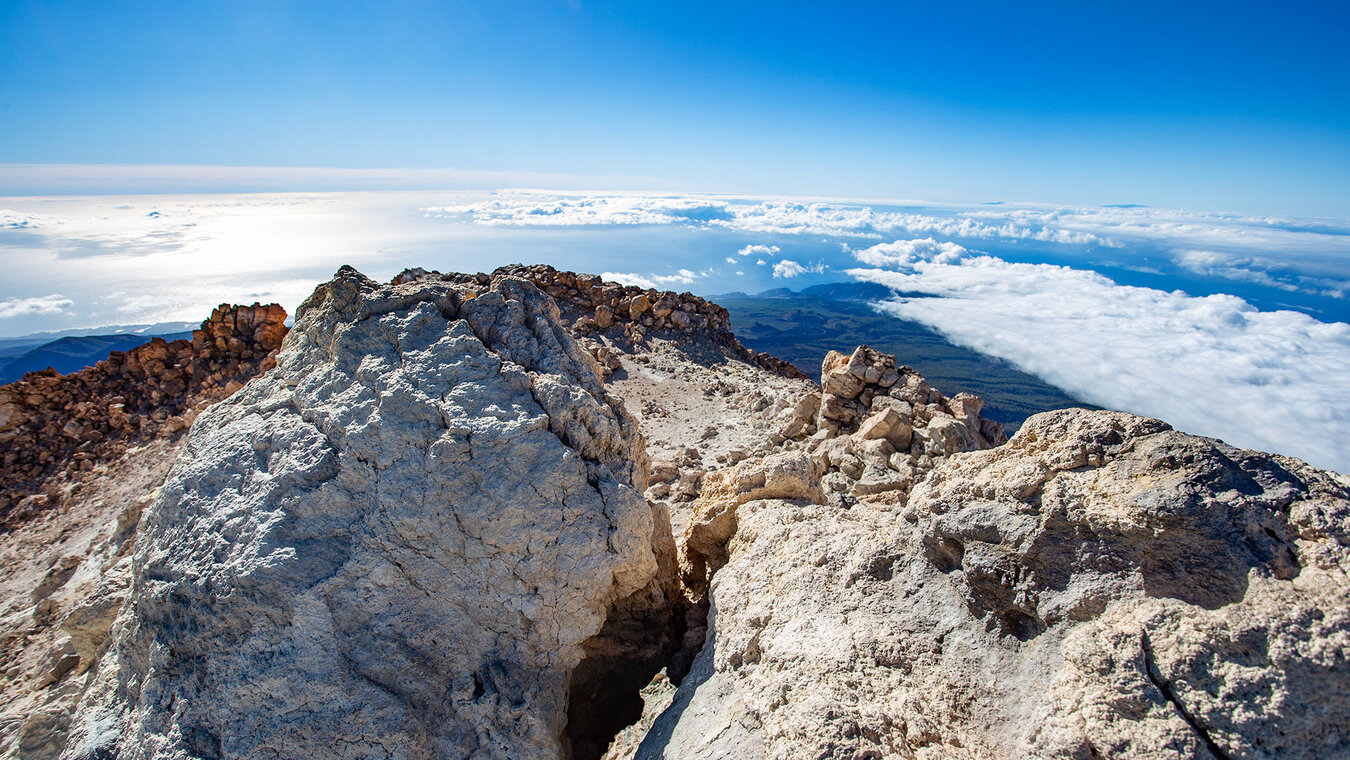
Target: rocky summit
{"type": "Point", "coordinates": [532, 514]}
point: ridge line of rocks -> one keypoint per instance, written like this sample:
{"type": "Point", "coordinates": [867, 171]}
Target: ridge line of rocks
{"type": "Point", "coordinates": [592, 307]}
{"type": "Point", "coordinates": [53, 424]}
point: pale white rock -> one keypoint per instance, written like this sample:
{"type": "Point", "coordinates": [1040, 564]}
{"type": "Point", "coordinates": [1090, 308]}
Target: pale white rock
{"type": "Point", "coordinates": [394, 545]}
{"type": "Point", "coordinates": [1100, 586]}
{"type": "Point", "coordinates": [944, 436]}
{"type": "Point", "coordinates": [888, 425]}
{"type": "Point", "coordinates": [844, 376]}
{"type": "Point", "coordinates": [790, 475]}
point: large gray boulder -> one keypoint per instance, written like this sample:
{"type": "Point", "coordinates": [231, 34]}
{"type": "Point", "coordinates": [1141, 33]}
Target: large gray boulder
{"type": "Point", "coordinates": [396, 544]}
{"type": "Point", "coordinates": [1101, 586]}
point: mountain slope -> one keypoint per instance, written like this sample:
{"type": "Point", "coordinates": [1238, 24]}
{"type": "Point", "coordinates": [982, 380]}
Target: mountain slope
{"type": "Point", "coordinates": [75, 353]}
{"type": "Point", "coordinates": [423, 534]}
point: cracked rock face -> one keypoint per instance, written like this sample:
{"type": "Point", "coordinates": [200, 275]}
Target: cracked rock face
{"type": "Point", "coordinates": [1101, 586]}
{"type": "Point", "coordinates": [395, 544]}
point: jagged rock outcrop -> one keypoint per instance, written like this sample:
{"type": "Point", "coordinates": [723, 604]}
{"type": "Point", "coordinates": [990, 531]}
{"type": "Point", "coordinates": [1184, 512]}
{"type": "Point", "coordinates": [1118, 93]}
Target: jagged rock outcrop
{"type": "Point", "coordinates": [790, 475]}
{"type": "Point", "coordinates": [52, 424]}
{"type": "Point", "coordinates": [398, 543]}
{"type": "Point", "coordinates": [1101, 586]}
{"type": "Point", "coordinates": [589, 307]}
{"type": "Point", "coordinates": [875, 428]}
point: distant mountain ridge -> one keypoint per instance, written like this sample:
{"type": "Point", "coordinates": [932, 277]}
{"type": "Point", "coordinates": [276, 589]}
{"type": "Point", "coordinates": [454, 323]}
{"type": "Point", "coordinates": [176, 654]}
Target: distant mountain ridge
{"type": "Point", "coordinates": [73, 353]}
{"type": "Point", "coordinates": [147, 330]}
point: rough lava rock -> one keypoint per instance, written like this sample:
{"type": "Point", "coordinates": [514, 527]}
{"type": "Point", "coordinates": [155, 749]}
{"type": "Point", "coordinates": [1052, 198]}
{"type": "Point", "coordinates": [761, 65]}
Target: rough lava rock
{"type": "Point", "coordinates": [1101, 586]}
{"type": "Point", "coordinates": [54, 425]}
{"type": "Point", "coordinates": [393, 545]}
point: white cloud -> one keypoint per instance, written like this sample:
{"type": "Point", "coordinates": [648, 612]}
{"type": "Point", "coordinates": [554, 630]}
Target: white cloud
{"type": "Point", "coordinates": [731, 259]}
{"type": "Point", "coordinates": [524, 209]}
{"type": "Point", "coordinates": [521, 208]}
{"type": "Point", "coordinates": [52, 304]}
{"type": "Point", "coordinates": [1261, 270]}
{"type": "Point", "coordinates": [864, 221]}
{"type": "Point", "coordinates": [905, 252]}
{"type": "Point", "coordinates": [1270, 380]}
{"type": "Point", "coordinates": [13, 220]}
{"type": "Point", "coordinates": [653, 281]}
{"type": "Point", "coordinates": [1288, 254]}
{"type": "Point", "coordinates": [758, 250]}
{"type": "Point", "coordinates": [789, 268]}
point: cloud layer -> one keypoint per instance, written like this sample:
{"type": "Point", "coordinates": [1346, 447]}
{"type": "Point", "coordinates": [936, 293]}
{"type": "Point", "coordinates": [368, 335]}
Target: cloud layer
{"type": "Point", "coordinates": [1271, 380]}
{"type": "Point", "coordinates": [52, 304]}
{"type": "Point", "coordinates": [1275, 380]}
{"type": "Point", "coordinates": [1312, 256]}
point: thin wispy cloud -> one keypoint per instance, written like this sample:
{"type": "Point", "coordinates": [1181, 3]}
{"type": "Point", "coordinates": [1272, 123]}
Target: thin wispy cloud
{"type": "Point", "coordinates": [121, 179]}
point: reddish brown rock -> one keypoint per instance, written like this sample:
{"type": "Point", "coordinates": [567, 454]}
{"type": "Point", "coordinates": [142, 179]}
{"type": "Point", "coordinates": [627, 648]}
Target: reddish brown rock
{"type": "Point", "coordinates": [52, 424]}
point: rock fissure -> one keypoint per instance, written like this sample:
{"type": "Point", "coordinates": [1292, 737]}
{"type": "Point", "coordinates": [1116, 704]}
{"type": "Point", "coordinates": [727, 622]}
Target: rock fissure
{"type": "Point", "coordinates": [1161, 684]}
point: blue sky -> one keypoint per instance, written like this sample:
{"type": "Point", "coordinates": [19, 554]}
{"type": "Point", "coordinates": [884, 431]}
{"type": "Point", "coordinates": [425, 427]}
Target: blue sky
{"type": "Point", "coordinates": [995, 152]}
{"type": "Point", "coordinates": [1232, 106]}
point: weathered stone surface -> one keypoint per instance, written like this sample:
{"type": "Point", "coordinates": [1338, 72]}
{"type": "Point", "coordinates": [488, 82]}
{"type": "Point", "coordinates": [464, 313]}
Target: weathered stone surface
{"type": "Point", "coordinates": [844, 376]}
{"type": "Point", "coordinates": [889, 425]}
{"type": "Point", "coordinates": [1101, 586]}
{"type": "Point", "coordinates": [789, 475]}
{"type": "Point", "coordinates": [395, 544]}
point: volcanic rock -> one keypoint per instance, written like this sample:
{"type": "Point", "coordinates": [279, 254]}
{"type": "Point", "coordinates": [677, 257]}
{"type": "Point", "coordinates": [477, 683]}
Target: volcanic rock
{"type": "Point", "coordinates": [397, 543]}
{"type": "Point", "coordinates": [1101, 586]}
{"type": "Point", "coordinates": [46, 418]}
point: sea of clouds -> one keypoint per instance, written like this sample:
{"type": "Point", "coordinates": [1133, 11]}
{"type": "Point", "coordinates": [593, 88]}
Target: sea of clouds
{"type": "Point", "coordinates": [1226, 325]}
{"type": "Point", "coordinates": [1214, 365]}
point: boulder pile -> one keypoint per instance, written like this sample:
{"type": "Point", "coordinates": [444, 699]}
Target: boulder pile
{"type": "Point", "coordinates": [875, 427]}
{"type": "Point", "coordinates": [52, 423]}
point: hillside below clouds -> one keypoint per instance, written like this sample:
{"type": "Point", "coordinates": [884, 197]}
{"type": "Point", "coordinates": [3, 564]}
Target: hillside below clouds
{"type": "Point", "coordinates": [74, 352]}
{"type": "Point", "coordinates": [534, 514]}
{"type": "Point", "coordinates": [802, 326]}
